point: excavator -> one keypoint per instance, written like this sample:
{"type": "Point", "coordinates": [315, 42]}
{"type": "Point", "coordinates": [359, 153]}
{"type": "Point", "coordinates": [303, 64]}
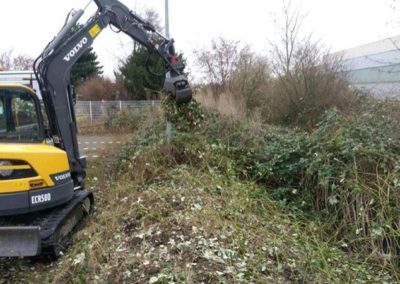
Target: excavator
{"type": "Point", "coordinates": [43, 199]}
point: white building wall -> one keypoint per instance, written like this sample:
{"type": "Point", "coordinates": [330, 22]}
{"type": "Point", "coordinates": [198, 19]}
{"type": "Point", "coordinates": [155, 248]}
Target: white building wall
{"type": "Point", "coordinates": [374, 67]}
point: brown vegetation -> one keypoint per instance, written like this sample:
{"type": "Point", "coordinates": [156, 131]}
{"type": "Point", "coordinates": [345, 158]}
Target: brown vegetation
{"type": "Point", "coordinates": [293, 86]}
{"type": "Point", "coordinates": [98, 88]}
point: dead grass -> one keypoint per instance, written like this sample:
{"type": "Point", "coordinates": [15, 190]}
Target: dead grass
{"type": "Point", "coordinates": [225, 103]}
{"type": "Point", "coordinates": [191, 227]}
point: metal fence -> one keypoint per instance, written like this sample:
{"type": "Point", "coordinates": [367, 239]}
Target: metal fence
{"type": "Point", "coordinates": [96, 110]}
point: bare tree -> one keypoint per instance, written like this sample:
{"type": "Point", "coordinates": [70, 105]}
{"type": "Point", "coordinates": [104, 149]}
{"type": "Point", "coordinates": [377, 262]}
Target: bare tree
{"type": "Point", "coordinates": [22, 62]}
{"type": "Point", "coordinates": [151, 16]}
{"type": "Point", "coordinates": [307, 84]}
{"type": "Point", "coordinates": [17, 63]}
{"type": "Point", "coordinates": [289, 39]}
{"type": "Point", "coordinates": [238, 80]}
{"type": "Point", "coordinates": [219, 61]}
{"type": "Point", "coordinates": [6, 59]}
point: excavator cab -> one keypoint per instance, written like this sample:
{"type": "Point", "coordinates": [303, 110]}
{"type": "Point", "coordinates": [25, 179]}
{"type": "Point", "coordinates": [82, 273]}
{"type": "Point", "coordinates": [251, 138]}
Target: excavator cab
{"type": "Point", "coordinates": [20, 116]}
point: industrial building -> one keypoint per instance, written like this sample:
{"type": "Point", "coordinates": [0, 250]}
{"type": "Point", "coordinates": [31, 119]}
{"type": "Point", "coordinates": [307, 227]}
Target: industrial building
{"type": "Point", "coordinates": [374, 67]}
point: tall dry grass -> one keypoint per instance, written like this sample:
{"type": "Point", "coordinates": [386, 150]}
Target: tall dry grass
{"type": "Point", "coordinates": [227, 104]}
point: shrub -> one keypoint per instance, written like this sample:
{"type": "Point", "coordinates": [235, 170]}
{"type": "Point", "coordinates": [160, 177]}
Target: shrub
{"type": "Point", "coordinates": [98, 88]}
{"type": "Point", "coordinates": [238, 80]}
{"type": "Point", "coordinates": [386, 110]}
{"type": "Point", "coordinates": [311, 86]}
{"type": "Point", "coordinates": [127, 121]}
{"type": "Point", "coordinates": [290, 94]}
{"type": "Point", "coordinates": [347, 171]}
{"type": "Point", "coordinates": [186, 117]}
{"type": "Point", "coordinates": [251, 82]}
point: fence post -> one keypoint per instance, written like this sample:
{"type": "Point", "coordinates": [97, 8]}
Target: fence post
{"type": "Point", "coordinates": [168, 131]}
{"type": "Point", "coordinates": [120, 106]}
{"type": "Point", "coordinates": [91, 113]}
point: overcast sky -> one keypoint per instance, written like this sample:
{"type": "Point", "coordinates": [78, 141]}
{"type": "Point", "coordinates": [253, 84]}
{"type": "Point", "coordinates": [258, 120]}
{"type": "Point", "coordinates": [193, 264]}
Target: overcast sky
{"type": "Point", "coordinates": [27, 26]}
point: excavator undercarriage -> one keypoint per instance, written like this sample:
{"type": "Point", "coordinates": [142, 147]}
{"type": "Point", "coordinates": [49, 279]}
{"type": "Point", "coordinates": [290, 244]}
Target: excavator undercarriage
{"type": "Point", "coordinates": [45, 233]}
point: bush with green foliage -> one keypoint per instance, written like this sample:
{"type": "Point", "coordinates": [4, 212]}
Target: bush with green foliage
{"type": "Point", "coordinates": [345, 173]}
{"type": "Point", "coordinates": [126, 120]}
{"type": "Point", "coordinates": [185, 117]}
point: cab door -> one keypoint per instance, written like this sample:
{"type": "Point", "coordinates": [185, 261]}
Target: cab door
{"type": "Point", "coordinates": [20, 119]}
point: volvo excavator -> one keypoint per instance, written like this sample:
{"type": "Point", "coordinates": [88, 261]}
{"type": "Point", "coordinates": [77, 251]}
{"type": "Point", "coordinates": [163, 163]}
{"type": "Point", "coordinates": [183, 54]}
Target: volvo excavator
{"type": "Point", "coordinates": [43, 199]}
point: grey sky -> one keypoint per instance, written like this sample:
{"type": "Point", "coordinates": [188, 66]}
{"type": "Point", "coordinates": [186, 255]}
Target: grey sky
{"type": "Point", "coordinates": [27, 26]}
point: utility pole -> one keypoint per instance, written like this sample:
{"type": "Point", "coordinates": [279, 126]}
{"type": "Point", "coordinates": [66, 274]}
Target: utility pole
{"type": "Point", "coordinates": [169, 127]}
{"type": "Point", "coordinates": [167, 34]}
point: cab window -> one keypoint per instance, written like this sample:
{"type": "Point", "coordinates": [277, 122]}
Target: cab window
{"type": "Point", "coordinates": [2, 116]}
{"type": "Point", "coordinates": [19, 120]}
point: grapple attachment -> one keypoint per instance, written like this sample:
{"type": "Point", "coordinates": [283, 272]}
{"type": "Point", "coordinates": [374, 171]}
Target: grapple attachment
{"type": "Point", "coordinates": [179, 87]}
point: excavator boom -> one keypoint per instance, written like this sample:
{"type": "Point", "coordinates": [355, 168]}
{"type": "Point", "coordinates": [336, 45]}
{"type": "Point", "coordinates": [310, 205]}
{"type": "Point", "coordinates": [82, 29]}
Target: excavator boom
{"type": "Point", "coordinates": [53, 68]}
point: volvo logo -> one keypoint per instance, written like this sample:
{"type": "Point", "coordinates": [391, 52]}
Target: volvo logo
{"type": "Point", "coordinates": [62, 177]}
{"type": "Point", "coordinates": [76, 49]}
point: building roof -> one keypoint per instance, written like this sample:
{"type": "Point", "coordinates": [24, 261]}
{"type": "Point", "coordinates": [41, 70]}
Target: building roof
{"type": "Point", "coordinates": [380, 46]}
{"type": "Point", "coordinates": [373, 67]}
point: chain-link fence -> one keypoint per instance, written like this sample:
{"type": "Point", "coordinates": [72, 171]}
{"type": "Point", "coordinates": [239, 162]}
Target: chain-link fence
{"type": "Point", "coordinates": [95, 110]}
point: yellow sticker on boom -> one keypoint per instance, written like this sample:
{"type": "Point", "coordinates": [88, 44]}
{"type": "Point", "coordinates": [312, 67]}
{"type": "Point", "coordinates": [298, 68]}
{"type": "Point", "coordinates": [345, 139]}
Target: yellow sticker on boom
{"type": "Point", "coordinates": [95, 30]}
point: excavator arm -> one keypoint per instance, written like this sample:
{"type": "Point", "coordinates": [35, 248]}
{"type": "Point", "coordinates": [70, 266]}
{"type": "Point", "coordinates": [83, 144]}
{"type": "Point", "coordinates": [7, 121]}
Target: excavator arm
{"type": "Point", "coordinates": [53, 68]}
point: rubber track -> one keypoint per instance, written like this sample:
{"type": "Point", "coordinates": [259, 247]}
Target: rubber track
{"type": "Point", "coordinates": [57, 219]}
